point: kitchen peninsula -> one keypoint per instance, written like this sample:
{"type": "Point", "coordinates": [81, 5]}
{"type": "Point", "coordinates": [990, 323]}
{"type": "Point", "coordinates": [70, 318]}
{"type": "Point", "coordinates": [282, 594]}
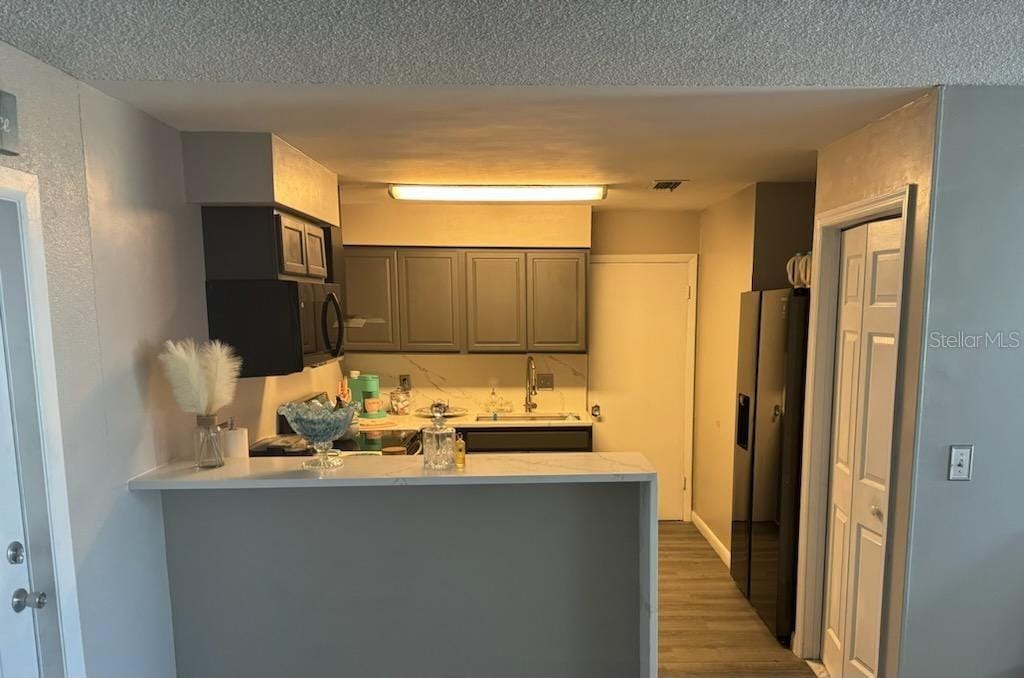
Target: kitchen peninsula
{"type": "Point", "coordinates": [540, 565]}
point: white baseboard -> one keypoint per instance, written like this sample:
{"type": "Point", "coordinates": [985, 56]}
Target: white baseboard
{"type": "Point", "coordinates": [708, 534]}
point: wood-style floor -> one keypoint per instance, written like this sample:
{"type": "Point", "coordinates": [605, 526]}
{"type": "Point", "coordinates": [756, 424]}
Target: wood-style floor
{"type": "Point", "coordinates": [706, 626]}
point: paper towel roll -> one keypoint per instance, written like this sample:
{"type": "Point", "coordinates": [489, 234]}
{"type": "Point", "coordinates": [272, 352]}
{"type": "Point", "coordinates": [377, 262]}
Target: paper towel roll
{"type": "Point", "coordinates": [234, 442]}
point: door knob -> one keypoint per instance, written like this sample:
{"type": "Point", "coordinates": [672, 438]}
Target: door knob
{"type": "Point", "coordinates": [22, 599]}
{"type": "Point", "coordinates": [15, 553]}
{"type": "Point", "coordinates": [876, 511]}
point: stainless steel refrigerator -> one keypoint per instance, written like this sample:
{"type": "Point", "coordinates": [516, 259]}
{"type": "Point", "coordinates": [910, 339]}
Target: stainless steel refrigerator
{"type": "Point", "coordinates": [767, 452]}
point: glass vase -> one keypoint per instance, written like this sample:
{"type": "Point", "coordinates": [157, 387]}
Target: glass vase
{"type": "Point", "coordinates": [206, 441]}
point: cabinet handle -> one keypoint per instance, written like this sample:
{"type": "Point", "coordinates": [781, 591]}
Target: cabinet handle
{"type": "Point", "coordinates": [332, 300]}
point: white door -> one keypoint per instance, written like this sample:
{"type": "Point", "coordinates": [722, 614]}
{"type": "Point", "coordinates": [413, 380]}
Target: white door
{"type": "Point", "coordinates": [641, 312]}
{"type": "Point", "coordinates": [863, 401]}
{"type": "Point", "coordinates": [18, 649]}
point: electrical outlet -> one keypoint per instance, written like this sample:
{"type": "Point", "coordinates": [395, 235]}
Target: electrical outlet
{"type": "Point", "coordinates": [404, 382]}
{"type": "Point", "coordinates": [961, 462]}
{"type": "Point", "coordinates": [546, 381]}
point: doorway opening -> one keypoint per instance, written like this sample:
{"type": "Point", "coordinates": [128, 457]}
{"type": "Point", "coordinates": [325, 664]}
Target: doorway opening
{"type": "Point", "coordinates": [860, 257]}
{"type": "Point", "coordinates": [41, 636]}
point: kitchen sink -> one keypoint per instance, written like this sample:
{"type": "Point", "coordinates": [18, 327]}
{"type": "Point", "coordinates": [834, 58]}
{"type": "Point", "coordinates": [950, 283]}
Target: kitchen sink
{"type": "Point", "coordinates": [531, 416]}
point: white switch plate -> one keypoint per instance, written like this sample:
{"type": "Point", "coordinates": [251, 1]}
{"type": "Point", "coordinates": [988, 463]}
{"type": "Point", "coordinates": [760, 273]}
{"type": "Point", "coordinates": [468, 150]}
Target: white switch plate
{"type": "Point", "coordinates": [961, 462]}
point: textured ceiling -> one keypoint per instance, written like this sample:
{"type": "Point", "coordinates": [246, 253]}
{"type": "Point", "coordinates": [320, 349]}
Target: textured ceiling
{"type": "Point", "coordinates": [626, 137]}
{"type": "Point", "coordinates": [528, 42]}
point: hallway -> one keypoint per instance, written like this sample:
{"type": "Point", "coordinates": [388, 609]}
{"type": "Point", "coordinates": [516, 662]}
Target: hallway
{"type": "Point", "coordinates": [706, 627]}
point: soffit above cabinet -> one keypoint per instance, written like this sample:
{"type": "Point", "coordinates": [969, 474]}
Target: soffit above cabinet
{"type": "Point", "coordinates": [257, 168]}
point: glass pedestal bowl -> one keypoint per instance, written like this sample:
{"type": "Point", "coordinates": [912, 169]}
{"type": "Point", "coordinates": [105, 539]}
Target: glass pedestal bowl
{"type": "Point", "coordinates": [320, 425]}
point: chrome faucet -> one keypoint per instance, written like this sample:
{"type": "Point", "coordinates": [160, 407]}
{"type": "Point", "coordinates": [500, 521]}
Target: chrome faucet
{"type": "Point", "coordinates": [531, 384]}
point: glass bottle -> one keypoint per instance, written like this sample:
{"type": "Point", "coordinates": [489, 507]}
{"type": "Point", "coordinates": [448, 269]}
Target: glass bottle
{"type": "Point", "coordinates": [460, 452]}
{"type": "Point", "coordinates": [439, 443]}
{"type": "Point", "coordinates": [206, 442]}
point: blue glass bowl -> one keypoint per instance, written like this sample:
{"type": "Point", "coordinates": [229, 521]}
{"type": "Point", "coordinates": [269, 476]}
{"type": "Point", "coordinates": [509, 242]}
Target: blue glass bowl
{"type": "Point", "coordinates": [321, 425]}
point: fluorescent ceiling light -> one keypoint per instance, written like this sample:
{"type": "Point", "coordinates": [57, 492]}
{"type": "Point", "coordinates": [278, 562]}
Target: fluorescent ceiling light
{"type": "Point", "coordinates": [497, 193]}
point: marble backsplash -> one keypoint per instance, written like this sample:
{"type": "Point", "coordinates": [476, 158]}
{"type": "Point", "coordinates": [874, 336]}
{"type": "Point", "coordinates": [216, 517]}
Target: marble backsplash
{"type": "Point", "coordinates": [466, 380]}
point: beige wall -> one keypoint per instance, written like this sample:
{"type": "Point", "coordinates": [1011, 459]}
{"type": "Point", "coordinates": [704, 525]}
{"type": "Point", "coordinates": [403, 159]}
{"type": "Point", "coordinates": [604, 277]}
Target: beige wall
{"type": "Point", "coordinates": [726, 259]}
{"type": "Point", "coordinates": [466, 380]}
{"type": "Point", "coordinates": [257, 398]}
{"type": "Point", "coordinates": [463, 380]}
{"type": "Point", "coordinates": [393, 222]}
{"type": "Point", "coordinates": [645, 232]}
{"type": "Point", "coordinates": [880, 158]}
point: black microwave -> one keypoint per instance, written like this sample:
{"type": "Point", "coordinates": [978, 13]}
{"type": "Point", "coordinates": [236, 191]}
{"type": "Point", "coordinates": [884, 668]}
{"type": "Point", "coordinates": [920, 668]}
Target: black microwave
{"type": "Point", "coordinates": [277, 326]}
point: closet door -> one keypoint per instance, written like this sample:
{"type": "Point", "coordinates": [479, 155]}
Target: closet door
{"type": "Point", "coordinates": [866, 360]}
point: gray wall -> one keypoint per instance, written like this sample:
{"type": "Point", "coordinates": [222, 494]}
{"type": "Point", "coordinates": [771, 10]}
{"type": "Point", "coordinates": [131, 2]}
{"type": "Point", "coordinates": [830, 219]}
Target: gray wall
{"type": "Point", "coordinates": [502, 581]}
{"type": "Point", "coordinates": [124, 269]}
{"type": "Point", "coordinates": [965, 587]}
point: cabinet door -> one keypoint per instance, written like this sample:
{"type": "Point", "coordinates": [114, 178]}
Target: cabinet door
{"type": "Point", "coordinates": [316, 251]}
{"type": "Point", "coordinates": [556, 309]}
{"type": "Point", "coordinates": [293, 244]}
{"type": "Point", "coordinates": [371, 299]}
{"type": "Point", "coordinates": [496, 301]}
{"type": "Point", "coordinates": [430, 300]}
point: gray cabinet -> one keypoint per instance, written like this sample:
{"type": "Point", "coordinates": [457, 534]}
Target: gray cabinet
{"type": "Point", "coordinates": [371, 299]}
{"type": "Point", "coordinates": [422, 299]}
{"type": "Point", "coordinates": [316, 251]}
{"type": "Point", "coordinates": [495, 301]}
{"type": "Point", "coordinates": [556, 305]}
{"type": "Point", "coordinates": [302, 247]}
{"type": "Point", "coordinates": [293, 244]}
{"type": "Point", "coordinates": [430, 300]}
{"type": "Point", "coordinates": [261, 243]}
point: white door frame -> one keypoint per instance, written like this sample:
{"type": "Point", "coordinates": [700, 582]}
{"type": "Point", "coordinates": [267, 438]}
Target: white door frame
{"type": "Point", "coordinates": [22, 189]}
{"type": "Point", "coordinates": [689, 357]}
{"type": "Point", "coordinates": [817, 443]}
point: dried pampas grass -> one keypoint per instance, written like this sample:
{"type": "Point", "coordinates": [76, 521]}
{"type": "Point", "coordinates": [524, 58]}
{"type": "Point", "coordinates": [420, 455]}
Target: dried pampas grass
{"type": "Point", "coordinates": [203, 377]}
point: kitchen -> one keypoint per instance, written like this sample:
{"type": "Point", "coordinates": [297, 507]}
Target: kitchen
{"type": "Point", "coordinates": [588, 351]}
{"type": "Point", "coordinates": [506, 315]}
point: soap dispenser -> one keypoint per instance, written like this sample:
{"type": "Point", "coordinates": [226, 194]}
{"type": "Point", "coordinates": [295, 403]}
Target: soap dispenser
{"type": "Point", "coordinates": [438, 442]}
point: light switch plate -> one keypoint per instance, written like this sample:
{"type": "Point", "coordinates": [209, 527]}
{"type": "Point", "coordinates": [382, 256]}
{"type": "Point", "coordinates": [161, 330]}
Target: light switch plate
{"type": "Point", "coordinates": [546, 381]}
{"type": "Point", "coordinates": [961, 462]}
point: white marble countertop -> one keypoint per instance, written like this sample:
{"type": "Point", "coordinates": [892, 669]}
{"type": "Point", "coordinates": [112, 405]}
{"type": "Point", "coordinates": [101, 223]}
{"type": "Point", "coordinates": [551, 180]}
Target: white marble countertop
{"type": "Point", "coordinates": [469, 421]}
{"type": "Point", "coordinates": [481, 469]}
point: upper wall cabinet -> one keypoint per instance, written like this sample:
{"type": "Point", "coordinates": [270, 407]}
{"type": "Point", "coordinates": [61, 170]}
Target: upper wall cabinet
{"type": "Point", "coordinates": [257, 168]}
{"type": "Point", "coordinates": [556, 283]}
{"type": "Point", "coordinates": [260, 243]}
{"type": "Point", "coordinates": [430, 300]}
{"type": "Point", "coordinates": [302, 247]}
{"type": "Point", "coordinates": [496, 301]}
{"type": "Point", "coordinates": [422, 299]}
{"type": "Point", "coordinates": [371, 299]}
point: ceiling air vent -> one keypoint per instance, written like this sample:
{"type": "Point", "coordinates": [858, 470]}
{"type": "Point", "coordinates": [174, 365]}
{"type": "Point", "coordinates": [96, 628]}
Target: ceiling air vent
{"type": "Point", "coordinates": [667, 184]}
